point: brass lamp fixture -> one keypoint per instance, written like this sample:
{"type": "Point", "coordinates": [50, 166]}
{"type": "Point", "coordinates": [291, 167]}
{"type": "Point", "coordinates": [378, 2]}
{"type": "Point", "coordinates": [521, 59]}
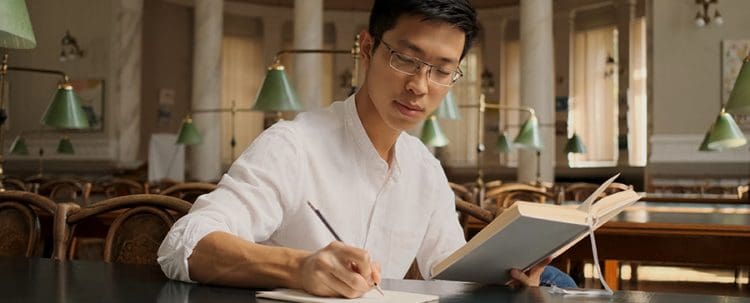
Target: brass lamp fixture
{"type": "Point", "coordinates": [277, 94]}
{"type": "Point", "coordinates": [528, 137]}
{"type": "Point", "coordinates": [702, 18]}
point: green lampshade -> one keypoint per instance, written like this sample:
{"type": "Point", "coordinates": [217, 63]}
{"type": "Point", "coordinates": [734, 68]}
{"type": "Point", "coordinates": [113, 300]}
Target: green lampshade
{"type": "Point", "coordinates": [704, 143]}
{"type": "Point", "coordinates": [188, 134]}
{"type": "Point", "coordinates": [431, 133]}
{"type": "Point", "coordinates": [65, 146]}
{"type": "Point", "coordinates": [739, 99]}
{"type": "Point", "coordinates": [448, 108]}
{"type": "Point", "coordinates": [19, 147]}
{"type": "Point", "coordinates": [529, 137]}
{"type": "Point", "coordinates": [575, 145]}
{"type": "Point", "coordinates": [15, 25]}
{"type": "Point", "coordinates": [503, 144]}
{"type": "Point", "coordinates": [65, 110]}
{"type": "Point", "coordinates": [725, 133]}
{"type": "Point", "coordinates": [276, 94]}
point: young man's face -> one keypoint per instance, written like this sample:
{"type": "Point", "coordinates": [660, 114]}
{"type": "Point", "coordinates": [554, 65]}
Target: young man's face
{"type": "Point", "coordinates": [403, 100]}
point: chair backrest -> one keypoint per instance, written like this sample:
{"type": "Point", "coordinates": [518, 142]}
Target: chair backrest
{"type": "Point", "coordinates": [139, 224]}
{"type": "Point", "coordinates": [65, 190]}
{"type": "Point", "coordinates": [122, 187]}
{"type": "Point", "coordinates": [20, 231]}
{"type": "Point", "coordinates": [189, 191]}
{"type": "Point", "coordinates": [504, 196]}
{"type": "Point", "coordinates": [581, 191]}
{"type": "Point", "coordinates": [462, 192]}
{"type": "Point", "coordinates": [15, 184]}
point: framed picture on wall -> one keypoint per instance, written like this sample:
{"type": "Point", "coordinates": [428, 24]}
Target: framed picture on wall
{"type": "Point", "coordinates": [733, 52]}
{"type": "Point", "coordinates": [91, 92]}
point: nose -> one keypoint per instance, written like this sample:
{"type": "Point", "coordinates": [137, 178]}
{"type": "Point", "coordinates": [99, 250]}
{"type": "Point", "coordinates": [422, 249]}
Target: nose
{"type": "Point", "coordinates": [418, 83]}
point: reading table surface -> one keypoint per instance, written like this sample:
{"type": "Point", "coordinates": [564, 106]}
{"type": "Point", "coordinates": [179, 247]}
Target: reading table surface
{"type": "Point", "coordinates": [45, 280]}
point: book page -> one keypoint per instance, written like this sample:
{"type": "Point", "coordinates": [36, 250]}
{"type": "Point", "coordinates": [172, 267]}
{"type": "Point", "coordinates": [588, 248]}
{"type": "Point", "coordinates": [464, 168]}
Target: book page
{"type": "Point", "coordinates": [373, 296]}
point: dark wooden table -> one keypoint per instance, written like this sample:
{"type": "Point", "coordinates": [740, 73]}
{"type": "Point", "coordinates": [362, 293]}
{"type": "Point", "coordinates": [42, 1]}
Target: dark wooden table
{"type": "Point", "coordinates": [674, 232]}
{"type": "Point", "coordinates": [44, 280]}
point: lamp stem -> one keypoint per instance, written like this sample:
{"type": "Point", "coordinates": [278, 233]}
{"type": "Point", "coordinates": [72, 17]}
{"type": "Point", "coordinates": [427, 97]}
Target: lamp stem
{"type": "Point", "coordinates": [538, 168]}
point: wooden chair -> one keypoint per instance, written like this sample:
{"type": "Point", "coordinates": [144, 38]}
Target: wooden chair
{"type": "Point", "coordinates": [20, 231]}
{"type": "Point", "coordinates": [158, 187]}
{"type": "Point", "coordinates": [66, 190]}
{"type": "Point", "coordinates": [463, 193]}
{"type": "Point", "coordinates": [504, 196]}
{"type": "Point", "coordinates": [581, 191]}
{"type": "Point", "coordinates": [122, 187]}
{"type": "Point", "coordinates": [15, 184]}
{"type": "Point", "coordinates": [189, 191]}
{"type": "Point", "coordinates": [139, 224]}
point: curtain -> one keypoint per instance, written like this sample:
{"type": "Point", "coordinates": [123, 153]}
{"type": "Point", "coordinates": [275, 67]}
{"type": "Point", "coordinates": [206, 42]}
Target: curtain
{"type": "Point", "coordinates": [593, 102]}
{"type": "Point", "coordinates": [637, 102]}
{"type": "Point", "coordinates": [462, 133]}
{"type": "Point", "coordinates": [243, 70]}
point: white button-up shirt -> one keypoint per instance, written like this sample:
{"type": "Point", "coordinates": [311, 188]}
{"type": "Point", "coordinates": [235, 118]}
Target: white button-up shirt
{"type": "Point", "coordinates": [396, 213]}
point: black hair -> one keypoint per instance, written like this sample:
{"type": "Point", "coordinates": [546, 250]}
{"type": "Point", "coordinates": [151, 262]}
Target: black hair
{"type": "Point", "coordinates": [458, 13]}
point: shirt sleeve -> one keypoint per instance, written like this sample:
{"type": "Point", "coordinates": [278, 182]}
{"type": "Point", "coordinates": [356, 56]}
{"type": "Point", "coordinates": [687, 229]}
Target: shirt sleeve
{"type": "Point", "coordinates": [444, 233]}
{"type": "Point", "coordinates": [250, 200]}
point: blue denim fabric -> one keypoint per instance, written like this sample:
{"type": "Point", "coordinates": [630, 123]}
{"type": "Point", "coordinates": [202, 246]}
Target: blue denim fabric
{"type": "Point", "coordinates": [553, 276]}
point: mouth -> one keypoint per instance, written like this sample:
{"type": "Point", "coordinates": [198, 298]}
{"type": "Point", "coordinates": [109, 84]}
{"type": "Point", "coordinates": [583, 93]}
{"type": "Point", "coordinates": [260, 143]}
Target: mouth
{"type": "Point", "coordinates": [412, 111]}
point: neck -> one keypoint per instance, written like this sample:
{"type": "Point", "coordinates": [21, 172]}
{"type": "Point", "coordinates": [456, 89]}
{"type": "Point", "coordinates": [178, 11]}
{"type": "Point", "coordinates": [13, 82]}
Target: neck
{"type": "Point", "coordinates": [382, 136]}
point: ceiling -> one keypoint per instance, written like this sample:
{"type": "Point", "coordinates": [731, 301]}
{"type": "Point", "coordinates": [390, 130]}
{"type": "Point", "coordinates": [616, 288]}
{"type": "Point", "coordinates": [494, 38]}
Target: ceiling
{"type": "Point", "coordinates": [365, 5]}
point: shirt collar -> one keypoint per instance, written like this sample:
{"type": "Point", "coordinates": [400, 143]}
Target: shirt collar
{"type": "Point", "coordinates": [357, 131]}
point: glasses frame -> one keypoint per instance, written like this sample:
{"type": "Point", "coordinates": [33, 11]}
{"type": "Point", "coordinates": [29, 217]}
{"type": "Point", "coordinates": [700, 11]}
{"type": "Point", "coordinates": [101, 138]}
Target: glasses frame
{"type": "Point", "coordinates": [420, 64]}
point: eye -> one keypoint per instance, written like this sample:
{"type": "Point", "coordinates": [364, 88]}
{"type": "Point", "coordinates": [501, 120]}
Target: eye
{"type": "Point", "coordinates": [403, 59]}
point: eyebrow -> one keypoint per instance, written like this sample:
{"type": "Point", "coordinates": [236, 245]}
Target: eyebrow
{"type": "Point", "coordinates": [419, 51]}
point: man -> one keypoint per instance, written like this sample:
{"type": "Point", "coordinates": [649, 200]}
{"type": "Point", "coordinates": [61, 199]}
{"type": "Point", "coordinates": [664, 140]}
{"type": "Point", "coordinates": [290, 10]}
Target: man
{"type": "Point", "coordinates": [378, 187]}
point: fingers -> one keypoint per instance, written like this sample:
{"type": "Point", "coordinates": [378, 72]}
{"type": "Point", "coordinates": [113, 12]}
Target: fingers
{"type": "Point", "coordinates": [339, 270]}
{"type": "Point", "coordinates": [531, 278]}
{"type": "Point", "coordinates": [376, 273]}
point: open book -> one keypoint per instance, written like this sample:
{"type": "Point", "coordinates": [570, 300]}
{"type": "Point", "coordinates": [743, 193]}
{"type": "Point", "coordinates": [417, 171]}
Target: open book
{"type": "Point", "coordinates": [527, 233]}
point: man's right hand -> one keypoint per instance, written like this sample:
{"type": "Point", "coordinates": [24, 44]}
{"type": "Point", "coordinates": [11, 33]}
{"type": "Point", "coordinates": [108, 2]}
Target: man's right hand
{"type": "Point", "coordinates": [338, 270]}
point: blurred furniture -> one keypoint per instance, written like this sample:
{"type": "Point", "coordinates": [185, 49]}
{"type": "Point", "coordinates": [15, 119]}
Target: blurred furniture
{"type": "Point", "coordinates": [502, 197]}
{"type": "Point", "coordinates": [580, 191]}
{"type": "Point", "coordinates": [139, 224]}
{"type": "Point", "coordinates": [157, 187]}
{"type": "Point", "coordinates": [66, 190]}
{"type": "Point", "coordinates": [464, 193]}
{"type": "Point", "coordinates": [20, 230]}
{"type": "Point", "coordinates": [122, 187]}
{"type": "Point", "coordinates": [684, 234]}
{"type": "Point", "coordinates": [15, 184]}
{"type": "Point", "coordinates": [189, 191]}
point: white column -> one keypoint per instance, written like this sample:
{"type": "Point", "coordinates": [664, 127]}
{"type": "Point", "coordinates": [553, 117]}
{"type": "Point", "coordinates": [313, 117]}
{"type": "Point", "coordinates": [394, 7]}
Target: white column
{"type": "Point", "coordinates": [345, 33]}
{"type": "Point", "coordinates": [308, 34]}
{"type": "Point", "coordinates": [537, 84]}
{"type": "Point", "coordinates": [130, 26]}
{"type": "Point", "coordinates": [205, 158]}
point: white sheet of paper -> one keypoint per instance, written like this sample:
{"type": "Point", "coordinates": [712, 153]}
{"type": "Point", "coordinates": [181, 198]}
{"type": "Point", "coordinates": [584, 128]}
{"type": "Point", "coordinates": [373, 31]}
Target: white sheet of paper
{"type": "Point", "coordinates": [373, 296]}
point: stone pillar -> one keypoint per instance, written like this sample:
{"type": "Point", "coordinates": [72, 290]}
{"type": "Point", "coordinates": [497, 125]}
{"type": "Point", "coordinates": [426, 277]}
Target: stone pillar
{"type": "Point", "coordinates": [625, 14]}
{"type": "Point", "coordinates": [345, 33]}
{"type": "Point", "coordinates": [130, 27]}
{"type": "Point", "coordinates": [537, 85]}
{"type": "Point", "coordinates": [308, 34]}
{"type": "Point", "coordinates": [205, 158]}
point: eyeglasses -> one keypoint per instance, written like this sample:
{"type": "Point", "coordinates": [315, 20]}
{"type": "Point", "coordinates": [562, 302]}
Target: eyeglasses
{"type": "Point", "coordinates": [409, 65]}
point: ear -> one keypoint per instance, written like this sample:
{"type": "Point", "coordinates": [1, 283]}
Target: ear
{"type": "Point", "coordinates": [366, 43]}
